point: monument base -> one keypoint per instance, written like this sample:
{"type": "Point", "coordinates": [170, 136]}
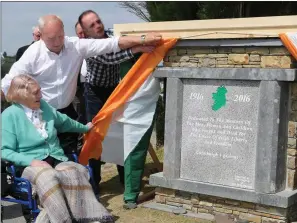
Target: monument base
{"type": "Point", "coordinates": [199, 197]}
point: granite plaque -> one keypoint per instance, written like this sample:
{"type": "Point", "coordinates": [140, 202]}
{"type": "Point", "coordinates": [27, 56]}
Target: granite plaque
{"type": "Point", "coordinates": [219, 132]}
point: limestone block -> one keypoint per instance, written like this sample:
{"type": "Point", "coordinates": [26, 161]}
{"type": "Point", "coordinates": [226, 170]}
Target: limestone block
{"type": "Point", "coordinates": [205, 203]}
{"type": "Point", "coordinates": [188, 64]}
{"type": "Point", "coordinates": [222, 61]}
{"type": "Point", "coordinates": [294, 90]}
{"type": "Point", "coordinates": [294, 105]}
{"type": "Point", "coordinates": [184, 58]}
{"type": "Point", "coordinates": [238, 59]}
{"type": "Point", "coordinates": [276, 62]}
{"type": "Point", "coordinates": [181, 51]}
{"type": "Point", "coordinates": [255, 58]}
{"type": "Point", "coordinates": [235, 203]}
{"type": "Point", "coordinates": [170, 64]}
{"type": "Point", "coordinates": [271, 220]}
{"type": "Point", "coordinates": [218, 55]}
{"type": "Point", "coordinates": [279, 51]}
{"type": "Point", "coordinates": [223, 210]}
{"type": "Point", "coordinates": [292, 130]}
{"type": "Point", "coordinates": [224, 66]}
{"type": "Point", "coordinates": [257, 50]}
{"type": "Point", "coordinates": [291, 162]}
{"type": "Point", "coordinates": [292, 179]}
{"type": "Point", "coordinates": [250, 217]}
{"type": "Point", "coordinates": [293, 116]}
{"type": "Point", "coordinates": [251, 65]}
{"type": "Point", "coordinates": [172, 52]}
{"type": "Point", "coordinates": [208, 62]}
{"type": "Point", "coordinates": [165, 191]}
{"type": "Point", "coordinates": [292, 152]}
{"type": "Point", "coordinates": [200, 51]}
{"type": "Point", "coordinates": [160, 199]}
{"type": "Point", "coordinates": [202, 210]}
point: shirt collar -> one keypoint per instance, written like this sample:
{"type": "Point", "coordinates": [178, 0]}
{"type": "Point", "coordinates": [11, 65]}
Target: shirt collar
{"type": "Point", "coordinates": [48, 51]}
{"type": "Point", "coordinates": [29, 110]}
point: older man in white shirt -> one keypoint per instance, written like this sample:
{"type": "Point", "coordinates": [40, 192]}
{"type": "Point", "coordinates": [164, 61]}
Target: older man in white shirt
{"type": "Point", "coordinates": [55, 61]}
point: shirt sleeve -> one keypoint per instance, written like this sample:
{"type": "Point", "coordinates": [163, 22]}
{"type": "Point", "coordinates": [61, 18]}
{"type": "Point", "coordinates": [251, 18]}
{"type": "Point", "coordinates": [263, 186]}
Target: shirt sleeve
{"type": "Point", "coordinates": [92, 47]}
{"type": "Point", "coordinates": [22, 66]}
{"type": "Point", "coordinates": [113, 58]}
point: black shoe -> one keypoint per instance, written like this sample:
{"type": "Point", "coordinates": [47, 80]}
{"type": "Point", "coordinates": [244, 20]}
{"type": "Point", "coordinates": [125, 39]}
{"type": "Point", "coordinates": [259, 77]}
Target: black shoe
{"type": "Point", "coordinates": [129, 206]}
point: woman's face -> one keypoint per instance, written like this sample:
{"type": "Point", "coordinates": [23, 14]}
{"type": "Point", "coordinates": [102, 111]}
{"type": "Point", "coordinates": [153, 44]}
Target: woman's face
{"type": "Point", "coordinates": [33, 97]}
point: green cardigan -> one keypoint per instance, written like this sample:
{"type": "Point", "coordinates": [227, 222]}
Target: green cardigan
{"type": "Point", "coordinates": [22, 143]}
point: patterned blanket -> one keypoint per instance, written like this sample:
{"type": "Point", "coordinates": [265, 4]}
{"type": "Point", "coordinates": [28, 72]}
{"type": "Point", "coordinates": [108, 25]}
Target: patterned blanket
{"type": "Point", "coordinates": [66, 194]}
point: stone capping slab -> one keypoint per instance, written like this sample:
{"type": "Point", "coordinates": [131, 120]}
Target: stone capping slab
{"type": "Point", "coordinates": [258, 74]}
{"type": "Point", "coordinates": [283, 199]}
{"type": "Point", "coordinates": [229, 42]}
{"type": "Point", "coordinates": [257, 27]}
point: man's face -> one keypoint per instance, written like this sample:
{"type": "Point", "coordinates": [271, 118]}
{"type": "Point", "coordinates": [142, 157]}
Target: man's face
{"type": "Point", "coordinates": [79, 31]}
{"type": "Point", "coordinates": [36, 34]}
{"type": "Point", "coordinates": [92, 26]}
{"type": "Point", "coordinates": [53, 36]}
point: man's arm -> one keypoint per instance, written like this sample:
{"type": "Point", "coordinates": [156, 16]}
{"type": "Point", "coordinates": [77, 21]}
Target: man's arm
{"type": "Point", "coordinates": [130, 41]}
{"type": "Point", "coordinates": [92, 47]}
{"type": "Point", "coordinates": [113, 58]}
{"type": "Point", "coordinates": [23, 66]}
{"type": "Point", "coordinates": [123, 55]}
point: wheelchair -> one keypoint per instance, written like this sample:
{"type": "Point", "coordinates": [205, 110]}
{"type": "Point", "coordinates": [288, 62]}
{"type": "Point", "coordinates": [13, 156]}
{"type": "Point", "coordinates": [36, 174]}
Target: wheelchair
{"type": "Point", "coordinates": [21, 190]}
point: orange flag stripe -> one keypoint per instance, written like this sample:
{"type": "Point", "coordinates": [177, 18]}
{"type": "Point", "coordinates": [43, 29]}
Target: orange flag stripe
{"type": "Point", "coordinates": [128, 86]}
{"type": "Point", "coordinates": [288, 44]}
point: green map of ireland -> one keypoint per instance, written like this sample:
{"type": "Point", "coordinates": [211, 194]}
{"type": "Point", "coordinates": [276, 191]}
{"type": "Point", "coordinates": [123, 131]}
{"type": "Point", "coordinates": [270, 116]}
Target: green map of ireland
{"type": "Point", "coordinates": [219, 98]}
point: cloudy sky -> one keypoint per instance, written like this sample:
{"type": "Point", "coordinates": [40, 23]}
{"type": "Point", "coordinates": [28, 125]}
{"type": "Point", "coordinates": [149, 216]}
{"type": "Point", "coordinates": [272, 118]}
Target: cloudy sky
{"type": "Point", "coordinates": [18, 18]}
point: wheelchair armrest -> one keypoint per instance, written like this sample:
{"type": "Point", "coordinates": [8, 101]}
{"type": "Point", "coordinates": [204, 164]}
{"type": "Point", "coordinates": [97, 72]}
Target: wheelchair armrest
{"type": "Point", "coordinates": [75, 157]}
{"type": "Point", "coordinates": [10, 165]}
{"type": "Point", "coordinates": [6, 163]}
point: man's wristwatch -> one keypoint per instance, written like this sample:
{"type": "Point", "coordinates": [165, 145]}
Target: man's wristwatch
{"type": "Point", "coordinates": [142, 39]}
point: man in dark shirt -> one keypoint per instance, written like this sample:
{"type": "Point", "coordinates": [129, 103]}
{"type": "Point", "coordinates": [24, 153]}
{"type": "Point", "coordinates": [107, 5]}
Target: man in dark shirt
{"type": "Point", "coordinates": [36, 37]}
{"type": "Point", "coordinates": [103, 76]}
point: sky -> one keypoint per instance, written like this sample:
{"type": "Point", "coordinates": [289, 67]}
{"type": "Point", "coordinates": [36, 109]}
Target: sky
{"type": "Point", "coordinates": [18, 18]}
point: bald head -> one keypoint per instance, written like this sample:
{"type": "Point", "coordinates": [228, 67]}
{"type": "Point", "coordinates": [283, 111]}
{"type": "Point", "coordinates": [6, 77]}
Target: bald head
{"type": "Point", "coordinates": [52, 32]}
{"type": "Point", "coordinates": [49, 19]}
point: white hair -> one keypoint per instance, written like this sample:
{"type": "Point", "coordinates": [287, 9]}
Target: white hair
{"type": "Point", "coordinates": [45, 19]}
{"type": "Point", "coordinates": [34, 27]}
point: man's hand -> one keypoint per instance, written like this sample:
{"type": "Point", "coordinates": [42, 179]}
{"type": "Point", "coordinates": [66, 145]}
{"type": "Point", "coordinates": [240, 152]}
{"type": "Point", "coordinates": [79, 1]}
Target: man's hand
{"type": "Point", "coordinates": [152, 39]}
{"type": "Point", "coordinates": [142, 49]}
{"type": "Point", "coordinates": [40, 163]}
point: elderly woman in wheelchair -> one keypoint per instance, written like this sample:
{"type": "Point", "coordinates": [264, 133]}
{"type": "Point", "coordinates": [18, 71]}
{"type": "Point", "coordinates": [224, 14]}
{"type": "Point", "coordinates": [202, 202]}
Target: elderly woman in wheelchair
{"type": "Point", "coordinates": [29, 141]}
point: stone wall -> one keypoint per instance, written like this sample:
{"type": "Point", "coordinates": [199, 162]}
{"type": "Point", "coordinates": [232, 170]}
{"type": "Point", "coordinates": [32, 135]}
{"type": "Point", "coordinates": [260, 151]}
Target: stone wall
{"type": "Point", "coordinates": [224, 57]}
{"type": "Point", "coordinates": [248, 57]}
{"type": "Point", "coordinates": [292, 134]}
{"type": "Point", "coordinates": [220, 206]}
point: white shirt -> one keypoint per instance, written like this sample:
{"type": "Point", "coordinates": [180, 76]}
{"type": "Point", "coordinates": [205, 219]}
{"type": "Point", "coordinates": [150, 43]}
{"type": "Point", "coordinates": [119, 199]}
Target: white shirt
{"type": "Point", "coordinates": [57, 74]}
{"type": "Point", "coordinates": [83, 71]}
{"type": "Point", "coordinates": [35, 116]}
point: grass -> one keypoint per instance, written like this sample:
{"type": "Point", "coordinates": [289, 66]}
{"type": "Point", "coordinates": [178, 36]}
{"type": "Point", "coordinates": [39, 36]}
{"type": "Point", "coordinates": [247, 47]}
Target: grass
{"type": "Point", "coordinates": [112, 198]}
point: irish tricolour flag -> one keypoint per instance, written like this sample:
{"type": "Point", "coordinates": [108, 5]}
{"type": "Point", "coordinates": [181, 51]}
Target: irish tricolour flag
{"type": "Point", "coordinates": [123, 126]}
{"type": "Point", "coordinates": [290, 42]}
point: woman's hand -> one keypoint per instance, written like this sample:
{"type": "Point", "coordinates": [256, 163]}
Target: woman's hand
{"type": "Point", "coordinates": [90, 125]}
{"type": "Point", "coordinates": [40, 163]}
